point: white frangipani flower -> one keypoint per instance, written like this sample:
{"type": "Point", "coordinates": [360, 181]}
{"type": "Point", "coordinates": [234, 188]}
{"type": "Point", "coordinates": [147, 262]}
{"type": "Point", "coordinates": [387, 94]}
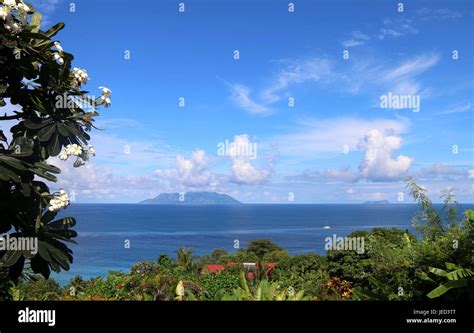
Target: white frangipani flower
{"type": "Point", "coordinates": [74, 149]}
{"type": "Point", "coordinates": [59, 201]}
{"type": "Point", "coordinates": [24, 7]}
{"type": "Point", "coordinates": [105, 90]}
{"type": "Point", "coordinates": [91, 150]}
{"type": "Point", "coordinates": [105, 98]}
{"type": "Point", "coordinates": [63, 155]}
{"type": "Point", "coordinates": [58, 57]}
{"type": "Point", "coordinates": [10, 3]}
{"type": "Point", "coordinates": [58, 46]}
{"type": "Point", "coordinates": [80, 75]}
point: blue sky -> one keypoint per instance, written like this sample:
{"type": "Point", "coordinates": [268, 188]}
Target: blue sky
{"type": "Point", "coordinates": [336, 144]}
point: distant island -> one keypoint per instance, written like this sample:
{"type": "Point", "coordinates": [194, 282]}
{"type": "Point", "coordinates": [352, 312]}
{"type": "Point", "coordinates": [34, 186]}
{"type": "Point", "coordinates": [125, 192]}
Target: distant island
{"type": "Point", "coordinates": [192, 198]}
{"type": "Point", "coordinates": [377, 202]}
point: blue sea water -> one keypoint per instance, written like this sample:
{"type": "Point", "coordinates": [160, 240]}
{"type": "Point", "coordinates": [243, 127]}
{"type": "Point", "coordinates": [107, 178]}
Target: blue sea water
{"type": "Point", "coordinates": [155, 229]}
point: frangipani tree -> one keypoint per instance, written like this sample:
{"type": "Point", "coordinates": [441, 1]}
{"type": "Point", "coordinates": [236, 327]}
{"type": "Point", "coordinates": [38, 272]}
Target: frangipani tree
{"type": "Point", "coordinates": [44, 96]}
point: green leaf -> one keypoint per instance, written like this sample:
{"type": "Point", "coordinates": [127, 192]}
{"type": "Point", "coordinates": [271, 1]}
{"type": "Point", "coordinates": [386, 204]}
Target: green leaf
{"type": "Point", "coordinates": [13, 162]}
{"type": "Point", "coordinates": [6, 174]}
{"type": "Point", "coordinates": [45, 133]}
{"type": "Point", "coordinates": [62, 129]}
{"type": "Point", "coordinates": [48, 216]}
{"type": "Point", "coordinates": [10, 258]}
{"type": "Point", "coordinates": [54, 147]}
{"type": "Point", "coordinates": [39, 265]}
{"type": "Point", "coordinates": [458, 274]}
{"type": "Point", "coordinates": [47, 167]}
{"type": "Point", "coordinates": [438, 271]}
{"type": "Point", "coordinates": [62, 224]}
{"type": "Point", "coordinates": [54, 29]}
{"type": "Point", "coordinates": [443, 288]}
{"type": "Point", "coordinates": [36, 22]}
{"type": "Point", "coordinates": [423, 276]}
{"type": "Point", "coordinates": [29, 123]}
{"type": "Point", "coordinates": [43, 174]}
{"type": "Point", "coordinates": [450, 266]}
{"type": "Point", "coordinates": [34, 35]}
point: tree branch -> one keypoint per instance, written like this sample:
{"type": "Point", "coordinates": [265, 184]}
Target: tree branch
{"type": "Point", "coordinates": [12, 117]}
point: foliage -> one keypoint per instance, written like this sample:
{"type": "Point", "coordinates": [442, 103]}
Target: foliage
{"type": "Point", "coordinates": [264, 291]}
{"type": "Point", "coordinates": [395, 265]}
{"type": "Point", "coordinates": [39, 289]}
{"type": "Point", "coordinates": [456, 278]}
{"type": "Point", "coordinates": [215, 286]}
{"type": "Point", "coordinates": [261, 247]}
{"type": "Point", "coordinates": [36, 73]}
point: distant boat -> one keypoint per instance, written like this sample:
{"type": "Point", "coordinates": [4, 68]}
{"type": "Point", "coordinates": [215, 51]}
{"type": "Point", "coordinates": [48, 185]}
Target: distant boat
{"type": "Point", "coordinates": [327, 227]}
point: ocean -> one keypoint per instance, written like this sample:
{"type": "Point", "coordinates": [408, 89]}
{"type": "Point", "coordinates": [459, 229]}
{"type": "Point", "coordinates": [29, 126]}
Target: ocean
{"type": "Point", "coordinates": [104, 230]}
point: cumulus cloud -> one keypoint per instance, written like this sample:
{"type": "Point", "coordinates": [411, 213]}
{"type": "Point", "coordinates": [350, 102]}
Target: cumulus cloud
{"type": "Point", "coordinates": [191, 172]}
{"type": "Point", "coordinates": [314, 137]}
{"type": "Point", "coordinates": [378, 163]}
{"type": "Point", "coordinates": [243, 171]}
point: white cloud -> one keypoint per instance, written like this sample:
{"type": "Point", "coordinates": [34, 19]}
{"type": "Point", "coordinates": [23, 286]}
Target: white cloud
{"type": "Point", "coordinates": [192, 172]}
{"type": "Point", "coordinates": [457, 109]}
{"type": "Point", "coordinates": [241, 95]}
{"type": "Point", "coordinates": [412, 67]}
{"type": "Point", "coordinates": [343, 175]}
{"type": "Point", "coordinates": [369, 74]}
{"type": "Point", "coordinates": [396, 28]}
{"type": "Point", "coordinates": [129, 155]}
{"type": "Point", "coordinates": [357, 38]}
{"type": "Point", "coordinates": [470, 173]}
{"type": "Point", "coordinates": [308, 70]}
{"type": "Point", "coordinates": [439, 14]}
{"type": "Point", "coordinates": [242, 169]}
{"type": "Point", "coordinates": [294, 72]}
{"type": "Point", "coordinates": [375, 76]}
{"type": "Point", "coordinates": [314, 137]}
{"type": "Point", "coordinates": [378, 163]}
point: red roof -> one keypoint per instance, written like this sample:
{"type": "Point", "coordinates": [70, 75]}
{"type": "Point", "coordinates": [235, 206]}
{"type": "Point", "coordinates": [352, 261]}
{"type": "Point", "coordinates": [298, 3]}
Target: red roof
{"type": "Point", "coordinates": [212, 268]}
{"type": "Point", "coordinates": [215, 268]}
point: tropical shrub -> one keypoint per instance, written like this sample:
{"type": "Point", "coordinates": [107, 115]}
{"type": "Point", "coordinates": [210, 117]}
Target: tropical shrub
{"type": "Point", "coordinates": [459, 282]}
{"type": "Point", "coordinates": [261, 247]}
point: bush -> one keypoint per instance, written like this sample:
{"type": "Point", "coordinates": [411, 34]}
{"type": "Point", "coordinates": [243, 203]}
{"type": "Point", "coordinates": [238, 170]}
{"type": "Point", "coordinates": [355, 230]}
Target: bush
{"type": "Point", "coordinates": [261, 247]}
